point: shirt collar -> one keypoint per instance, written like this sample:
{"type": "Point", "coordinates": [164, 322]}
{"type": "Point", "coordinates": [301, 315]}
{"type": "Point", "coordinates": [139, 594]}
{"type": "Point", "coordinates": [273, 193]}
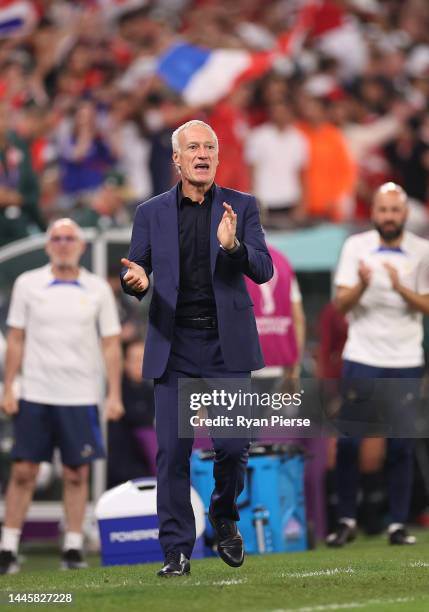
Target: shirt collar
{"type": "Point", "coordinates": [387, 249]}
{"type": "Point", "coordinates": [51, 280]}
{"type": "Point", "coordinates": [208, 195]}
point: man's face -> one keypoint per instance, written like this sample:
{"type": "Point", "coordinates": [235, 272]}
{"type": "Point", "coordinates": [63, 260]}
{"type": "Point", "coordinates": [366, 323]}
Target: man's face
{"type": "Point", "coordinates": [280, 113]}
{"type": "Point", "coordinates": [197, 157]}
{"type": "Point", "coordinates": [389, 214]}
{"type": "Point", "coordinates": [64, 246]}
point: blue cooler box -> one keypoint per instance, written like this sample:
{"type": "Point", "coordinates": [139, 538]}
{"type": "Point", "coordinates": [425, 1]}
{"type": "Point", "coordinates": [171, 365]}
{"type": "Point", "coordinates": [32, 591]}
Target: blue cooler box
{"type": "Point", "coordinates": [272, 504]}
{"type": "Point", "coordinates": [128, 523]}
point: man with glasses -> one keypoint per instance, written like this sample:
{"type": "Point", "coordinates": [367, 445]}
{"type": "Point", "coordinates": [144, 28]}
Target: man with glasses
{"type": "Point", "coordinates": [56, 316]}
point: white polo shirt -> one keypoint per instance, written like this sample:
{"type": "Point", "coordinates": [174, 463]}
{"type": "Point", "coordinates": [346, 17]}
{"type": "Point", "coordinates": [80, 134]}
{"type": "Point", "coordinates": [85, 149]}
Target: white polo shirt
{"type": "Point", "coordinates": [383, 330]}
{"type": "Point", "coordinates": [63, 322]}
{"type": "Point", "coordinates": [278, 158]}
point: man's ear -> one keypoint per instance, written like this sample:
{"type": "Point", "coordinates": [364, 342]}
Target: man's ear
{"type": "Point", "coordinates": [175, 158]}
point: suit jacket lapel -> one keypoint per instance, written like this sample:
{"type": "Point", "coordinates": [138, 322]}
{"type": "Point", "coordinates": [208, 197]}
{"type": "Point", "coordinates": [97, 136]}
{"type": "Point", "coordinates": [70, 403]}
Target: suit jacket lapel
{"type": "Point", "coordinates": [216, 216]}
{"type": "Point", "coordinates": [169, 229]}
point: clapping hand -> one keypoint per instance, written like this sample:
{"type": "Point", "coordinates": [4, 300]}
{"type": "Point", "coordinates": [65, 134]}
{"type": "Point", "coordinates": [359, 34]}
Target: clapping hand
{"type": "Point", "coordinates": [227, 228]}
{"type": "Point", "coordinates": [364, 272]}
{"type": "Point", "coordinates": [393, 275]}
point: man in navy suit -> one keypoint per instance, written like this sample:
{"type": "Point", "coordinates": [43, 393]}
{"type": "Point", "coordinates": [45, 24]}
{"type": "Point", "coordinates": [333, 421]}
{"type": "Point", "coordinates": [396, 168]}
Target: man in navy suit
{"type": "Point", "coordinates": [199, 240]}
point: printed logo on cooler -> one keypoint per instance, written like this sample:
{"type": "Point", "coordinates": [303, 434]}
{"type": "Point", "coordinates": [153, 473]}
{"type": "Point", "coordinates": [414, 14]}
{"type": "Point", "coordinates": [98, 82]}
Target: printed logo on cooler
{"type": "Point", "coordinates": [136, 535]}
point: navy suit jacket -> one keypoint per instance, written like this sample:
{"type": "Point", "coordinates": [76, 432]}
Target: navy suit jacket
{"type": "Point", "coordinates": [155, 247]}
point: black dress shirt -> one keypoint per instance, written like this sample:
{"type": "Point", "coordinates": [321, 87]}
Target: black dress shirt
{"type": "Point", "coordinates": [196, 297]}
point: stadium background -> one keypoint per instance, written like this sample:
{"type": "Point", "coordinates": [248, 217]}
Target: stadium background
{"type": "Point", "coordinates": [92, 69]}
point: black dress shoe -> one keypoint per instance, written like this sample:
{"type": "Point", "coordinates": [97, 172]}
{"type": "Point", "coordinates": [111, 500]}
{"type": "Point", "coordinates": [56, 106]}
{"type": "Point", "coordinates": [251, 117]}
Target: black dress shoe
{"type": "Point", "coordinates": [175, 564]}
{"type": "Point", "coordinates": [342, 535]}
{"type": "Point", "coordinates": [229, 541]}
{"type": "Point", "coordinates": [401, 536]}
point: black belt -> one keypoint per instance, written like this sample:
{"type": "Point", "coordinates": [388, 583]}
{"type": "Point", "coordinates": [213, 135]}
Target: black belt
{"type": "Point", "coordinates": [197, 322]}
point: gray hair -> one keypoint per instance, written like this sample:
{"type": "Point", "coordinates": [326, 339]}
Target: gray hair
{"type": "Point", "coordinates": [391, 187]}
{"type": "Point", "coordinates": [184, 126]}
{"type": "Point", "coordinates": [65, 221]}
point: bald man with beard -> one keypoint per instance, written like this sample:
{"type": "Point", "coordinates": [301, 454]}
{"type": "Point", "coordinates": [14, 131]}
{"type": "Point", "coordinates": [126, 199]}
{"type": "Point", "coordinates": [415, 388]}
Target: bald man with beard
{"type": "Point", "coordinates": [382, 283]}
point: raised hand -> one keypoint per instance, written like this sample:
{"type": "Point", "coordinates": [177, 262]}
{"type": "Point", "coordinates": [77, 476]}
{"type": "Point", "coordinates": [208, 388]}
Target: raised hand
{"type": "Point", "coordinates": [227, 227]}
{"type": "Point", "coordinates": [136, 277]}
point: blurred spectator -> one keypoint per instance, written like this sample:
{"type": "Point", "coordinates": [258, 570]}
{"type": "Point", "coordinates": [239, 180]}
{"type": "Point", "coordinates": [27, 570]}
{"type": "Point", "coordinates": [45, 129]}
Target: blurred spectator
{"type": "Point", "coordinates": [277, 153]}
{"type": "Point", "coordinates": [330, 175]}
{"type": "Point", "coordinates": [33, 124]}
{"type": "Point", "coordinates": [79, 77]}
{"type": "Point", "coordinates": [269, 90]}
{"type": "Point", "coordinates": [105, 208]}
{"type": "Point", "coordinates": [409, 156]}
{"type": "Point", "coordinates": [85, 156]}
{"type": "Point", "coordinates": [161, 115]}
{"type": "Point", "coordinates": [365, 136]}
{"type": "Point", "coordinates": [139, 400]}
{"type": "Point", "coordinates": [280, 318]}
{"type": "Point", "coordinates": [19, 189]}
{"type": "Point", "coordinates": [132, 440]}
{"type": "Point", "coordinates": [333, 335]}
{"type": "Point", "coordinates": [132, 148]}
{"type": "Point", "coordinates": [130, 313]}
{"type": "Point", "coordinates": [230, 122]}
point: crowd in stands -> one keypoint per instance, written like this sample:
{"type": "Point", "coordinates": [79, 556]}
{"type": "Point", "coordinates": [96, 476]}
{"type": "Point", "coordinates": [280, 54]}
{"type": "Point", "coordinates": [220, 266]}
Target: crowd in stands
{"type": "Point", "coordinates": [86, 120]}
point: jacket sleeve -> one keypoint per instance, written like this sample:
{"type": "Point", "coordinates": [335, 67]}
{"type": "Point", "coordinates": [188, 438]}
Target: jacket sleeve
{"type": "Point", "coordinates": [140, 249]}
{"type": "Point", "coordinates": [254, 258]}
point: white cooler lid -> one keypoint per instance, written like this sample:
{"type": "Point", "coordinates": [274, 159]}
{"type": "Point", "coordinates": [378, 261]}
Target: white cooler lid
{"type": "Point", "coordinates": [138, 498]}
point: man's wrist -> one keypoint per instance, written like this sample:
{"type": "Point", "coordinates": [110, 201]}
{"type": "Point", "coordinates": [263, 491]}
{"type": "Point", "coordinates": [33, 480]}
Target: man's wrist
{"type": "Point", "coordinates": [233, 249]}
{"type": "Point", "coordinates": [114, 396]}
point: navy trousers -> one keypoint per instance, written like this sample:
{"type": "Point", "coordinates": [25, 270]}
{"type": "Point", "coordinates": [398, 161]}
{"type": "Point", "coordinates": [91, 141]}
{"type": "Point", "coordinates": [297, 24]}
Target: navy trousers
{"type": "Point", "coordinates": [399, 450]}
{"type": "Point", "coordinates": [194, 354]}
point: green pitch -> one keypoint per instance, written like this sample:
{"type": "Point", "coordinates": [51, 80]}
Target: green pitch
{"type": "Point", "coordinates": [366, 575]}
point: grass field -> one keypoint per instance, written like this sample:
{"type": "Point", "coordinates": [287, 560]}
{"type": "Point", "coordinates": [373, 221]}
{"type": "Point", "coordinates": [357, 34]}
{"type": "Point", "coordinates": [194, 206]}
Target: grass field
{"type": "Point", "coordinates": [366, 575]}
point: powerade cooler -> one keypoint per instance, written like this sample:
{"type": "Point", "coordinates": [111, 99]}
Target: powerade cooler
{"type": "Point", "coordinates": [272, 504]}
{"type": "Point", "coordinates": [128, 523]}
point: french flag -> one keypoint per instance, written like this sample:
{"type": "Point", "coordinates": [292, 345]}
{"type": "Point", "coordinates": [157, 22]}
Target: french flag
{"type": "Point", "coordinates": [17, 17]}
{"type": "Point", "coordinates": [204, 76]}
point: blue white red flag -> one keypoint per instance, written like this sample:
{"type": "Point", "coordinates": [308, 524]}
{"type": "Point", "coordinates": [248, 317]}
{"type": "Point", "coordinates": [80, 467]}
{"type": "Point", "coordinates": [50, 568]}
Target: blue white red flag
{"type": "Point", "coordinates": [204, 76]}
{"type": "Point", "coordinates": [17, 17]}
